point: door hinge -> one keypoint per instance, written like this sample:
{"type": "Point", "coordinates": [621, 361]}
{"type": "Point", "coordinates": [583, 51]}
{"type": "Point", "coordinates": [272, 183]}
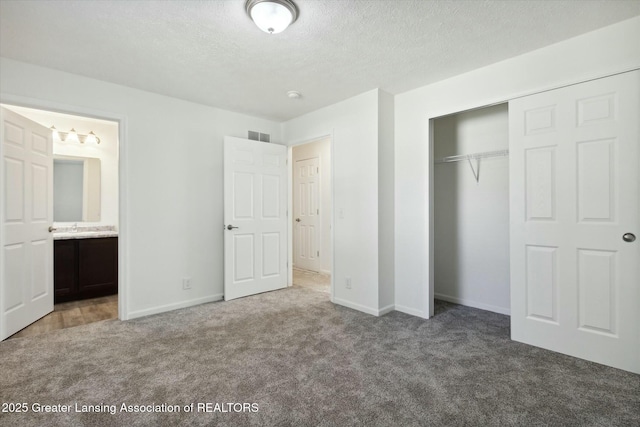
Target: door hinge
{"type": "Point", "coordinates": [318, 169]}
{"type": "Point", "coordinates": [318, 253]}
{"type": "Point", "coordinates": [318, 211]}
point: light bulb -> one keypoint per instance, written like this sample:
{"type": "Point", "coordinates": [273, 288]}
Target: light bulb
{"type": "Point", "coordinates": [72, 136]}
{"type": "Point", "coordinates": [92, 138]}
{"type": "Point", "coordinates": [54, 133]}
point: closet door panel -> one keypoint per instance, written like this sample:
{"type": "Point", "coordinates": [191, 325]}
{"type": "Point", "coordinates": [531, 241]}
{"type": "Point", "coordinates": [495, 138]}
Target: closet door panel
{"type": "Point", "coordinates": [574, 204]}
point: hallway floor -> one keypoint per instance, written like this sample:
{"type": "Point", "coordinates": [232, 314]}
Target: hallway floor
{"type": "Point", "coordinates": [311, 280]}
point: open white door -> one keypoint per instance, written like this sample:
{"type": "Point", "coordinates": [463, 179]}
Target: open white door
{"type": "Point", "coordinates": [26, 287]}
{"type": "Point", "coordinates": [574, 157]}
{"type": "Point", "coordinates": [306, 214]}
{"type": "Point", "coordinates": [255, 217]}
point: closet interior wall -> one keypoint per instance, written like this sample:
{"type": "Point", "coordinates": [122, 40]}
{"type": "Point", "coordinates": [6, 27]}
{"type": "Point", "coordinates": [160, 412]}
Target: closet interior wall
{"type": "Point", "coordinates": [472, 217]}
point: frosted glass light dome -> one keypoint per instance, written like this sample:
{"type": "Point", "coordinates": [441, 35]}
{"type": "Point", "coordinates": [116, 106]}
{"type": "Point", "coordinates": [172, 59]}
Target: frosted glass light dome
{"type": "Point", "coordinates": [272, 16]}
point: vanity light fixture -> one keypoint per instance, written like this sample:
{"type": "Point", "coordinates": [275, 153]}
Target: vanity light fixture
{"type": "Point", "coordinates": [73, 136]}
{"type": "Point", "coordinates": [272, 16]}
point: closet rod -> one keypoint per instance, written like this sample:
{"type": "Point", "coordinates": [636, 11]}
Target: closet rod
{"type": "Point", "coordinates": [483, 155]}
{"type": "Point", "coordinates": [476, 157]}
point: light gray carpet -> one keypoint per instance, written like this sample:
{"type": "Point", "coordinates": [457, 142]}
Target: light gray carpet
{"type": "Point", "coordinates": [306, 362]}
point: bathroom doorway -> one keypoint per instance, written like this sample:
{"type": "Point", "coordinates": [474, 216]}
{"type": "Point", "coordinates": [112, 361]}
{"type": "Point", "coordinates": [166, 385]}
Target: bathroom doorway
{"type": "Point", "coordinates": [84, 251]}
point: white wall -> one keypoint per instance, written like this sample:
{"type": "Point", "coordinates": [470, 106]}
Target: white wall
{"type": "Point", "coordinates": [386, 222]}
{"type": "Point", "coordinates": [361, 129]}
{"type": "Point", "coordinates": [353, 126]}
{"type": "Point", "coordinates": [471, 230]}
{"type": "Point", "coordinates": [322, 150]}
{"type": "Point", "coordinates": [106, 151]}
{"type": "Point", "coordinates": [171, 160]}
{"type": "Point", "coordinates": [608, 50]}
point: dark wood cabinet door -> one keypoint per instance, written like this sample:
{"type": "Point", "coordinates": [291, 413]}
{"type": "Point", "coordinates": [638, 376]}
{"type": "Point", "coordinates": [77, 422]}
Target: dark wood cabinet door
{"type": "Point", "coordinates": [65, 267]}
{"type": "Point", "coordinates": [85, 268]}
{"type": "Point", "coordinates": [97, 267]}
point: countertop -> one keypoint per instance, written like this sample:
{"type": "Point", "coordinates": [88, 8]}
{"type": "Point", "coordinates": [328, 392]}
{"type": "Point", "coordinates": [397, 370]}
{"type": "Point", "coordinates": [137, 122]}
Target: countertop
{"type": "Point", "coordinates": [66, 233]}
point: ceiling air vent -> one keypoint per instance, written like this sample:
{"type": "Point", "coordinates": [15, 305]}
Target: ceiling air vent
{"type": "Point", "coordinates": [257, 136]}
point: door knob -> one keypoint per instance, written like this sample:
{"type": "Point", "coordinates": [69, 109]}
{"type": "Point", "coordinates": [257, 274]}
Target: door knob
{"type": "Point", "coordinates": [230, 227]}
{"type": "Point", "coordinates": [52, 229]}
{"type": "Point", "coordinates": [629, 237]}
{"type": "Point", "coordinates": [297, 219]}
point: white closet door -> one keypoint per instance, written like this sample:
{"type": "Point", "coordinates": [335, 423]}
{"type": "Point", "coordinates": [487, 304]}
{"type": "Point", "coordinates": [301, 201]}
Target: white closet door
{"type": "Point", "coordinates": [575, 285]}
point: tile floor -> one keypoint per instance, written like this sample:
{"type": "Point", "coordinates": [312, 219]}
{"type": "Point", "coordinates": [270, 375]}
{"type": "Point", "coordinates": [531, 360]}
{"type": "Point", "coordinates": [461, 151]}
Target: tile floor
{"type": "Point", "coordinates": [74, 313]}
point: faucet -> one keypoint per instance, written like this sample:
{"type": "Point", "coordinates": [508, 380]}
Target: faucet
{"type": "Point", "coordinates": [74, 227]}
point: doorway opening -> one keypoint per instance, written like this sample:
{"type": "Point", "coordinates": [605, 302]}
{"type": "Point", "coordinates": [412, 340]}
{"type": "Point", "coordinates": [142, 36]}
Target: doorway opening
{"type": "Point", "coordinates": [83, 256]}
{"type": "Point", "coordinates": [311, 202]}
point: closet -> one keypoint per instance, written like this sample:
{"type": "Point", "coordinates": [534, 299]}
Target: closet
{"type": "Point", "coordinates": [471, 208]}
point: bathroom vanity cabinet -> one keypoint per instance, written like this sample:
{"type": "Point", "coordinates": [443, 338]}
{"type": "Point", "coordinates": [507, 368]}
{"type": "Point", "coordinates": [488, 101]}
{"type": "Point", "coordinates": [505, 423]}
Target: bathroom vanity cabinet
{"type": "Point", "coordinates": [85, 268]}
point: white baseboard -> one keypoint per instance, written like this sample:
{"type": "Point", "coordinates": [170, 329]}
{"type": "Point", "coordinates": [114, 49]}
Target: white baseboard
{"type": "Point", "coordinates": [474, 304]}
{"type": "Point", "coordinates": [355, 306]}
{"type": "Point", "coordinates": [174, 306]}
{"type": "Point", "coordinates": [410, 311]}
{"type": "Point", "coordinates": [385, 310]}
{"type": "Point", "coordinates": [362, 308]}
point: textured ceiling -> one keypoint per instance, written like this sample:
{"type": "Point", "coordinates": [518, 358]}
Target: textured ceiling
{"type": "Point", "coordinates": [211, 53]}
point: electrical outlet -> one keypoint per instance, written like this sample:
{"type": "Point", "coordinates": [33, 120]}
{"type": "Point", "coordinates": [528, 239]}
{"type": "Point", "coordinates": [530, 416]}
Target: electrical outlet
{"type": "Point", "coordinates": [347, 282]}
{"type": "Point", "coordinates": [186, 283]}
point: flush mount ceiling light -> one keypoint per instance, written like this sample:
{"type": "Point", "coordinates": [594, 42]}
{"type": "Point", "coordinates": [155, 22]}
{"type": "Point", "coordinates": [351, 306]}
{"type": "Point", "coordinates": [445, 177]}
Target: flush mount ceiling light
{"type": "Point", "coordinates": [294, 94]}
{"type": "Point", "coordinates": [272, 16]}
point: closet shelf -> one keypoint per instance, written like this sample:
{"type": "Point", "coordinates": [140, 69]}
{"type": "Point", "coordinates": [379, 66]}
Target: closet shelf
{"type": "Point", "coordinates": [476, 157]}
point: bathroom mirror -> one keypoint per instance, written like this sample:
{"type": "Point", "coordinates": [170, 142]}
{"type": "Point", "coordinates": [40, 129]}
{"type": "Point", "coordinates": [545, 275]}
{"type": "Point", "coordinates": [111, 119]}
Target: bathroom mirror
{"type": "Point", "coordinates": [76, 189]}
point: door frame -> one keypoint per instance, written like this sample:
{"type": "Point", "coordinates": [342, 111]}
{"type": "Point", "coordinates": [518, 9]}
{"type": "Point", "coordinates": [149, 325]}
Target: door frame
{"type": "Point", "coordinates": [290, 205]}
{"type": "Point", "coordinates": [429, 235]}
{"type": "Point", "coordinates": [121, 120]}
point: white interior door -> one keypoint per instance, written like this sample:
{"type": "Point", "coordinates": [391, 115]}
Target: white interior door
{"type": "Point", "coordinates": [27, 212]}
{"type": "Point", "coordinates": [255, 217]}
{"type": "Point", "coordinates": [574, 157]}
{"type": "Point", "coordinates": [306, 214]}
